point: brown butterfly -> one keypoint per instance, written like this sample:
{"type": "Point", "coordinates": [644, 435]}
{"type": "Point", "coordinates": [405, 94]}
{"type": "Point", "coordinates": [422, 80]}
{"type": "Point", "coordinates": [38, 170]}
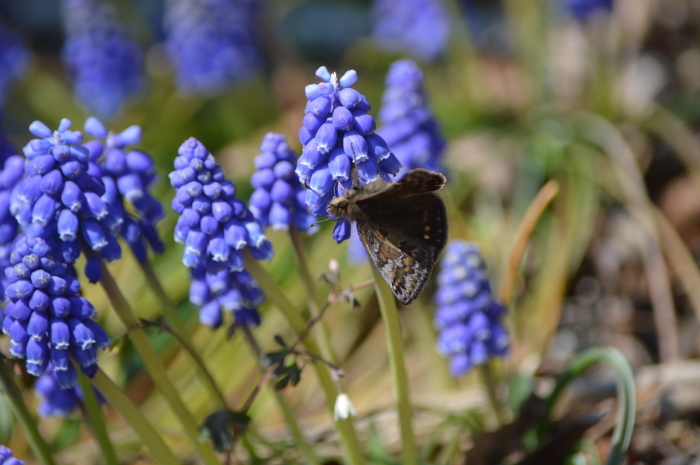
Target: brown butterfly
{"type": "Point", "coordinates": [403, 226]}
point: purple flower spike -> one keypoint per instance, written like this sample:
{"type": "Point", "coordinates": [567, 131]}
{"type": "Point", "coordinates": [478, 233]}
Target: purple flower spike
{"type": "Point", "coordinates": [418, 27]}
{"type": "Point", "coordinates": [62, 197]}
{"type": "Point", "coordinates": [6, 457]}
{"type": "Point", "coordinates": [212, 215]}
{"type": "Point", "coordinates": [276, 201]}
{"type": "Point", "coordinates": [212, 45]}
{"type": "Point", "coordinates": [127, 176]}
{"type": "Point", "coordinates": [55, 401]}
{"type": "Point", "coordinates": [234, 292]}
{"type": "Point", "coordinates": [104, 62]}
{"type": "Point", "coordinates": [468, 317]}
{"type": "Point", "coordinates": [215, 226]}
{"type": "Point", "coordinates": [408, 124]}
{"type": "Point", "coordinates": [46, 318]}
{"type": "Point", "coordinates": [584, 9]}
{"type": "Point", "coordinates": [14, 58]}
{"type": "Point", "coordinates": [339, 141]}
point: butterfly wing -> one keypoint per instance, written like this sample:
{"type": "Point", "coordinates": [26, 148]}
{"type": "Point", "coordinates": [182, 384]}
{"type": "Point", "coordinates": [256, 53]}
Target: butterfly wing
{"type": "Point", "coordinates": [404, 236]}
{"type": "Point", "coordinates": [416, 181]}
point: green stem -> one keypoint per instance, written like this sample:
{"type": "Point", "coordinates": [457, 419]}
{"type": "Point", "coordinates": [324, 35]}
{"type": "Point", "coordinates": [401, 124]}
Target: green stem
{"type": "Point", "coordinates": [626, 396]}
{"type": "Point", "coordinates": [348, 438]}
{"type": "Point", "coordinates": [179, 332]}
{"type": "Point", "coordinates": [315, 301]}
{"type": "Point", "coordinates": [394, 341]}
{"type": "Point", "coordinates": [294, 428]}
{"type": "Point", "coordinates": [93, 416]}
{"type": "Point", "coordinates": [41, 450]}
{"type": "Point", "coordinates": [121, 403]}
{"type": "Point", "coordinates": [155, 368]}
{"type": "Point", "coordinates": [491, 385]}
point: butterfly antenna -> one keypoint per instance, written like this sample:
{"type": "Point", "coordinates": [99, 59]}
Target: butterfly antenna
{"type": "Point", "coordinates": [319, 222]}
{"type": "Point", "coordinates": [306, 185]}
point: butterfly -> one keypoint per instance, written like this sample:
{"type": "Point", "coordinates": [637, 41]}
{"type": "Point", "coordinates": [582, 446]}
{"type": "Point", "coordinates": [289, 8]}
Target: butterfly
{"type": "Point", "coordinates": [402, 225]}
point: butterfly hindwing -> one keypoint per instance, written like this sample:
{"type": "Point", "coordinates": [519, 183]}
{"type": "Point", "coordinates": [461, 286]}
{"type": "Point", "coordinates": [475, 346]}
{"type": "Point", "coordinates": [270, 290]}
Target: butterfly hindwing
{"type": "Point", "coordinates": [405, 273]}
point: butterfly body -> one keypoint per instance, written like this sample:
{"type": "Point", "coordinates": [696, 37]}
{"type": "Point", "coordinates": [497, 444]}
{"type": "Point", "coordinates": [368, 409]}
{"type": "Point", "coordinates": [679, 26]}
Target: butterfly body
{"type": "Point", "coordinates": [402, 225]}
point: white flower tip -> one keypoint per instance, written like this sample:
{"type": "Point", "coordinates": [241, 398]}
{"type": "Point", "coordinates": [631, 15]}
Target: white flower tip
{"type": "Point", "coordinates": [343, 407]}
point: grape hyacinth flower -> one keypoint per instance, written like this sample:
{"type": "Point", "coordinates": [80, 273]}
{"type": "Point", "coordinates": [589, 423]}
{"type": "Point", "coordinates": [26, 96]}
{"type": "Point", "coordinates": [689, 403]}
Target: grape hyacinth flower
{"type": "Point", "coordinates": [47, 319]}
{"type": "Point", "coordinates": [468, 317]}
{"type": "Point", "coordinates": [6, 457]}
{"type": "Point", "coordinates": [211, 43]}
{"type": "Point", "coordinates": [14, 58]}
{"type": "Point", "coordinates": [408, 125]}
{"type": "Point", "coordinates": [214, 225]}
{"type": "Point", "coordinates": [56, 401]}
{"type": "Point", "coordinates": [584, 9]}
{"type": "Point", "coordinates": [60, 199]}
{"type": "Point", "coordinates": [417, 27]}
{"type": "Point", "coordinates": [338, 137]}
{"type": "Point", "coordinates": [279, 198]}
{"type": "Point", "coordinates": [127, 175]}
{"type": "Point", "coordinates": [104, 62]}
{"type": "Point", "coordinates": [234, 292]}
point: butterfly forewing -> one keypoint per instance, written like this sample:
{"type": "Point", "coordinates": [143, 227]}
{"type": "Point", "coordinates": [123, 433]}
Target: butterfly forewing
{"type": "Point", "coordinates": [403, 227]}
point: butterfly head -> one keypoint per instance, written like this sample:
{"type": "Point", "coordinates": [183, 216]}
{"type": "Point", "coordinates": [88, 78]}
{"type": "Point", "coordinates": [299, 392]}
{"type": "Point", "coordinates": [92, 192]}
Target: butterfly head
{"type": "Point", "coordinates": [339, 207]}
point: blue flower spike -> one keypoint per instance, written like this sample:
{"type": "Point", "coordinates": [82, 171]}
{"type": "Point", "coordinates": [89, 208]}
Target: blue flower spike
{"type": "Point", "coordinates": [47, 319]}
{"type": "Point", "coordinates": [420, 28]}
{"type": "Point", "coordinates": [212, 45]}
{"type": "Point", "coordinates": [7, 458]}
{"type": "Point", "coordinates": [61, 199]}
{"type": "Point", "coordinates": [55, 401]}
{"type": "Point", "coordinates": [338, 135]}
{"type": "Point", "coordinates": [105, 63]}
{"type": "Point", "coordinates": [468, 317]}
{"type": "Point", "coordinates": [216, 227]}
{"type": "Point", "coordinates": [278, 199]}
{"type": "Point", "coordinates": [128, 175]}
{"type": "Point", "coordinates": [408, 125]}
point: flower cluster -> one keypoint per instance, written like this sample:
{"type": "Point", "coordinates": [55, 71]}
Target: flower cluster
{"type": "Point", "coordinates": [339, 143]}
{"type": "Point", "coordinates": [408, 126]}
{"type": "Point", "coordinates": [14, 57]}
{"type": "Point", "coordinates": [104, 62]}
{"type": "Point", "coordinates": [127, 176]}
{"type": "Point", "coordinates": [468, 317]}
{"type": "Point", "coordinates": [12, 172]}
{"type": "Point", "coordinates": [583, 9]}
{"type": "Point", "coordinates": [214, 225]}
{"type": "Point", "coordinates": [278, 199]}
{"type": "Point", "coordinates": [211, 43]}
{"type": "Point", "coordinates": [61, 199]}
{"type": "Point", "coordinates": [46, 317]}
{"type": "Point", "coordinates": [417, 27]}
{"type": "Point", "coordinates": [56, 401]}
{"type": "Point", "coordinates": [231, 291]}
{"type": "Point", "coordinates": [6, 457]}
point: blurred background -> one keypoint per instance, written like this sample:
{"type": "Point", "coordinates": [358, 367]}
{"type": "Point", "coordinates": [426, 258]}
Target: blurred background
{"type": "Point", "coordinates": [601, 96]}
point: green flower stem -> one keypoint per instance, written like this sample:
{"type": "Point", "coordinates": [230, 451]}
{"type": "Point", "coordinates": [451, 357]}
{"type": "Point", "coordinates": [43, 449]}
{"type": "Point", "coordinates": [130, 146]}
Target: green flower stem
{"type": "Point", "coordinates": [294, 428]}
{"type": "Point", "coordinates": [316, 303]}
{"type": "Point", "coordinates": [490, 385]}
{"type": "Point", "coordinates": [348, 438]}
{"type": "Point", "coordinates": [93, 414]}
{"type": "Point", "coordinates": [626, 395]}
{"type": "Point", "coordinates": [121, 403]}
{"type": "Point", "coordinates": [394, 341]}
{"type": "Point", "coordinates": [41, 450]}
{"type": "Point", "coordinates": [155, 368]}
{"type": "Point", "coordinates": [180, 332]}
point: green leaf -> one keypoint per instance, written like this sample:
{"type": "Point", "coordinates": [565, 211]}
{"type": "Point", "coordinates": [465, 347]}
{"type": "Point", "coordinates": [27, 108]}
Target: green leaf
{"type": "Point", "coordinates": [520, 388]}
{"type": "Point", "coordinates": [7, 422]}
{"type": "Point", "coordinates": [280, 340]}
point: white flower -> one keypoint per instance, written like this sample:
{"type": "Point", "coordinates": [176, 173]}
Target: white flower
{"type": "Point", "coordinates": [343, 407]}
